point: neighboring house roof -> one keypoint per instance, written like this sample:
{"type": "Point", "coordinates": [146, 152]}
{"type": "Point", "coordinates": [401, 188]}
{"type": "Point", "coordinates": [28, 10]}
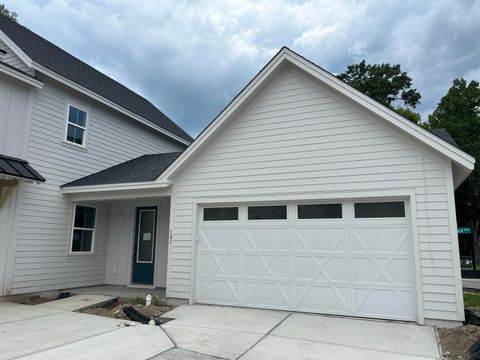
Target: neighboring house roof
{"type": "Point", "coordinates": [18, 168]}
{"type": "Point", "coordinates": [62, 63]}
{"type": "Point", "coordinates": [444, 135]}
{"type": "Point", "coordinates": [287, 56]}
{"type": "Point", "coordinates": [143, 168]}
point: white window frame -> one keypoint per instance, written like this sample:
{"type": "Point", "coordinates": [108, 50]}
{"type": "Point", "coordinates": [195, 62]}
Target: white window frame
{"type": "Point", "coordinates": [92, 248]}
{"type": "Point", "coordinates": [84, 128]}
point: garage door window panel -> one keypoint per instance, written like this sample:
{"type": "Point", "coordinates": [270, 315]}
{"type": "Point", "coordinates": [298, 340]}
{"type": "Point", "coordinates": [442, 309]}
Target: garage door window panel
{"type": "Point", "coordinates": [220, 214]}
{"type": "Point", "coordinates": [369, 210]}
{"type": "Point", "coordinates": [278, 212]}
{"type": "Point", "coordinates": [319, 211]}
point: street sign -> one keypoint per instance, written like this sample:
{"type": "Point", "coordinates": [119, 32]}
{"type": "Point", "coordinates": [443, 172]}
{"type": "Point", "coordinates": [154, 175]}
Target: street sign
{"type": "Point", "coordinates": [464, 230]}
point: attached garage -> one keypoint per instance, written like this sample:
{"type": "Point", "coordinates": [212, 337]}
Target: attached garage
{"type": "Point", "coordinates": [306, 195]}
{"type": "Point", "coordinates": [338, 257]}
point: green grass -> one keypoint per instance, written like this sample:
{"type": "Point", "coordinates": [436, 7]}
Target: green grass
{"type": "Point", "coordinates": [472, 301]}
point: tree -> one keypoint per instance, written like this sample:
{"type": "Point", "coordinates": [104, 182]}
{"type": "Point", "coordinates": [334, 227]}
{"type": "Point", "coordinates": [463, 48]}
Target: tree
{"type": "Point", "coordinates": [386, 84]}
{"type": "Point", "coordinates": [459, 113]}
{"type": "Point", "coordinates": [409, 114]}
{"type": "Point", "coordinates": [5, 12]}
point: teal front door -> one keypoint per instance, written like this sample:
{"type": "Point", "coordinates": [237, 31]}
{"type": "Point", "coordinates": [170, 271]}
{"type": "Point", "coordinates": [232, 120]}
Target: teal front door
{"type": "Point", "coordinates": [144, 245]}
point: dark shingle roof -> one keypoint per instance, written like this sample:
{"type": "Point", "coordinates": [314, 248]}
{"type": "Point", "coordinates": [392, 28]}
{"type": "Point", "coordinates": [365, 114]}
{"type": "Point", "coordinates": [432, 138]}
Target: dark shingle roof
{"type": "Point", "coordinates": [59, 61]}
{"type": "Point", "coordinates": [18, 168]}
{"type": "Point", "coordinates": [444, 135]}
{"type": "Point", "coordinates": [143, 168]}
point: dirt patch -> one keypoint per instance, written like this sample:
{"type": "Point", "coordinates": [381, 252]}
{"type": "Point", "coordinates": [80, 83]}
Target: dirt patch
{"type": "Point", "coordinates": [115, 310]}
{"type": "Point", "coordinates": [456, 341]}
{"type": "Point", "coordinates": [32, 300]}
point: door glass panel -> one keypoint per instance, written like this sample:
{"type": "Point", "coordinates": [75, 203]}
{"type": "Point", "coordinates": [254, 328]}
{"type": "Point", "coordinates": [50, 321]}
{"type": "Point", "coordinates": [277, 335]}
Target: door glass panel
{"type": "Point", "coordinates": [146, 236]}
{"type": "Point", "coordinates": [380, 209]}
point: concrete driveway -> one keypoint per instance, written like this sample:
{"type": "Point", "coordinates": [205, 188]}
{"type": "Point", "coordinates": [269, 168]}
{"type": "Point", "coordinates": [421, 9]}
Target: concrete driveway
{"type": "Point", "coordinates": [205, 333]}
{"type": "Point", "coordinates": [248, 334]}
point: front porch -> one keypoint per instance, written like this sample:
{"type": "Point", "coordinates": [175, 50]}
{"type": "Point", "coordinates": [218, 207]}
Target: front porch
{"type": "Point", "coordinates": [131, 212]}
{"type": "Point", "coordinates": [131, 238]}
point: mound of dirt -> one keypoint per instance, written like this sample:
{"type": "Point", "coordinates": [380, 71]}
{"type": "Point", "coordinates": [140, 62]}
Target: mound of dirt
{"type": "Point", "coordinates": [33, 300]}
{"type": "Point", "coordinates": [115, 310]}
{"type": "Point", "coordinates": [456, 341]}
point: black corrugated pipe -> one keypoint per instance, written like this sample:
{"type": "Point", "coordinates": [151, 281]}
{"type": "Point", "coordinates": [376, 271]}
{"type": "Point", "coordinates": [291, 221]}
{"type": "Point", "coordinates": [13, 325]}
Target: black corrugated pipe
{"type": "Point", "coordinates": [135, 315]}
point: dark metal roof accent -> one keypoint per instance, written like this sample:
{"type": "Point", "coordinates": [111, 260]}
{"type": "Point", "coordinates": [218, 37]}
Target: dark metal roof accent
{"type": "Point", "coordinates": [59, 61]}
{"type": "Point", "coordinates": [18, 168]}
{"type": "Point", "coordinates": [444, 135]}
{"type": "Point", "coordinates": [143, 168]}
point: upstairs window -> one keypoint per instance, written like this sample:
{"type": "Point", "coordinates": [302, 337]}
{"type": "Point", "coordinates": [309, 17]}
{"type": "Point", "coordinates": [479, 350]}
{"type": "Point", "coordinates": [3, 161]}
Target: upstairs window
{"type": "Point", "coordinates": [83, 229]}
{"type": "Point", "coordinates": [76, 125]}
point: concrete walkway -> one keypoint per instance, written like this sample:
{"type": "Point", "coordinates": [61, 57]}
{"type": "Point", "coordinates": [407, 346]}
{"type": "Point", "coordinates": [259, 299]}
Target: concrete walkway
{"type": "Point", "coordinates": [202, 332]}
{"type": "Point", "coordinates": [40, 332]}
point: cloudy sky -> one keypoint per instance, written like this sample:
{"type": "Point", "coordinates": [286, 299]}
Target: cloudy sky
{"type": "Point", "coordinates": [190, 58]}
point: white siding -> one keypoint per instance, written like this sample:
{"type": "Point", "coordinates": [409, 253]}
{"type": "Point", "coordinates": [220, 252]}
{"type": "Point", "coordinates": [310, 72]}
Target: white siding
{"type": "Point", "coordinates": [42, 261]}
{"type": "Point", "coordinates": [15, 101]}
{"type": "Point", "coordinates": [298, 137]}
{"type": "Point", "coordinates": [13, 60]}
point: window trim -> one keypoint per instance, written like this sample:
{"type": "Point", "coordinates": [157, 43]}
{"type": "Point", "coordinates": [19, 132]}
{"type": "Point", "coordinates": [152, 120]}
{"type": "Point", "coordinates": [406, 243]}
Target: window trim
{"type": "Point", "coordinates": [405, 210]}
{"type": "Point", "coordinates": [85, 129]}
{"type": "Point", "coordinates": [73, 228]}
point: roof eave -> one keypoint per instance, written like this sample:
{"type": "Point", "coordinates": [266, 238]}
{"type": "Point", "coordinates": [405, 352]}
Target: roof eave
{"type": "Point", "coordinates": [16, 49]}
{"type": "Point", "coordinates": [68, 190]}
{"type": "Point", "coordinates": [20, 75]}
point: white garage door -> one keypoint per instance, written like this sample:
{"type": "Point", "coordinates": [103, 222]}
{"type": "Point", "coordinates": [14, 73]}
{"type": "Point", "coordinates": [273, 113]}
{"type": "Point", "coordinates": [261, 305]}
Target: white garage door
{"type": "Point", "coordinates": [349, 257]}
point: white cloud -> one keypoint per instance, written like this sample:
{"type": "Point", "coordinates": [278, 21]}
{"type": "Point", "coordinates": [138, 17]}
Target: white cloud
{"type": "Point", "coordinates": [191, 58]}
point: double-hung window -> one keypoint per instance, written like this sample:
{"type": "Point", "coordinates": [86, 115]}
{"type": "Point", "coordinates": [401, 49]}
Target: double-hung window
{"type": "Point", "coordinates": [83, 229]}
{"type": "Point", "coordinates": [76, 125]}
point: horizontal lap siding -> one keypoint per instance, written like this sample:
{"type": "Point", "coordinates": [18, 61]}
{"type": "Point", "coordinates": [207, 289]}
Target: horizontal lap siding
{"type": "Point", "coordinates": [42, 261]}
{"type": "Point", "coordinates": [297, 137]}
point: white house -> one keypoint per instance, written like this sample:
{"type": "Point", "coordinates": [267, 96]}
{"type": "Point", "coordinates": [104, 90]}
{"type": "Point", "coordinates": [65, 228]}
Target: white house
{"type": "Point", "coordinates": [302, 194]}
